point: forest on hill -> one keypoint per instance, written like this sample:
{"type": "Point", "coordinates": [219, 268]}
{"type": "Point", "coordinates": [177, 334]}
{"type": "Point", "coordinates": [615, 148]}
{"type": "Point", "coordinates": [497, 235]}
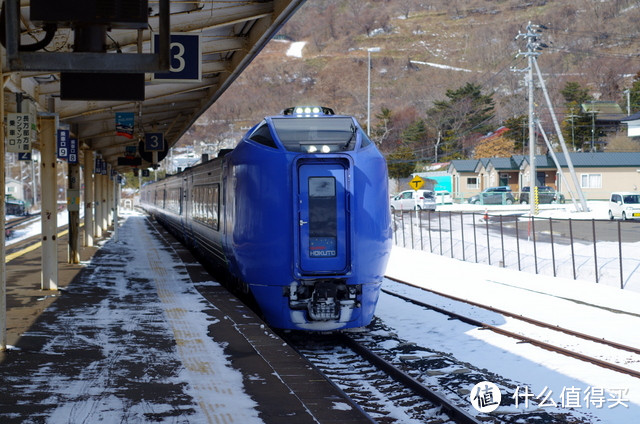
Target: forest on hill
{"type": "Point", "coordinates": [444, 73]}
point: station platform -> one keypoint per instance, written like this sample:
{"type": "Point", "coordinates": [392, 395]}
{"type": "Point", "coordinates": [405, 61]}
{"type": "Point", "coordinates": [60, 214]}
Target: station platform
{"type": "Point", "coordinates": [139, 332]}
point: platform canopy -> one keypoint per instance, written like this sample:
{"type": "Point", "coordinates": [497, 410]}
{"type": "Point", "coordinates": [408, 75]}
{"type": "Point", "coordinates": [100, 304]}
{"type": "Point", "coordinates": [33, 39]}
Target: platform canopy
{"type": "Point", "coordinates": [164, 61]}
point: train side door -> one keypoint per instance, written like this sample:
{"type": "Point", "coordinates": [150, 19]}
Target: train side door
{"type": "Point", "coordinates": [323, 215]}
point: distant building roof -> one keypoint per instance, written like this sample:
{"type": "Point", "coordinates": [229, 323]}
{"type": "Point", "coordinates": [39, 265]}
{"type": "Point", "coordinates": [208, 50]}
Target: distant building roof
{"type": "Point", "coordinates": [633, 117]}
{"type": "Point", "coordinates": [503, 163]}
{"type": "Point", "coordinates": [605, 111]}
{"type": "Point", "coordinates": [494, 134]}
{"type": "Point", "coordinates": [590, 160]}
{"type": "Point", "coordinates": [463, 165]}
{"type": "Point", "coordinates": [578, 159]}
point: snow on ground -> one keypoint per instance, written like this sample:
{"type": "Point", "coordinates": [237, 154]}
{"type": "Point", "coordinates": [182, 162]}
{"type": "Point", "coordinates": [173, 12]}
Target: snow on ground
{"type": "Point", "coordinates": [596, 309]}
{"type": "Point", "coordinates": [295, 50]}
{"type": "Point", "coordinates": [438, 65]}
{"type": "Point", "coordinates": [34, 228]}
{"type": "Point", "coordinates": [603, 311]}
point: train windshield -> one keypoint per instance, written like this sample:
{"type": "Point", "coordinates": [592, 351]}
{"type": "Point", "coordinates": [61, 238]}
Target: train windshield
{"type": "Point", "coordinates": [316, 135]}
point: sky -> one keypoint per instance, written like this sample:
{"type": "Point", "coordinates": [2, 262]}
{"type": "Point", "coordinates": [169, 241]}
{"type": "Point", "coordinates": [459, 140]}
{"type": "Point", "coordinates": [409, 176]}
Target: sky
{"type": "Point", "coordinates": [584, 306]}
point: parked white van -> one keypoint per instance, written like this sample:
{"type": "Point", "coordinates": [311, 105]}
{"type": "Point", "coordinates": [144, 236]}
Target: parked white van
{"type": "Point", "coordinates": [624, 205]}
{"type": "Point", "coordinates": [411, 199]}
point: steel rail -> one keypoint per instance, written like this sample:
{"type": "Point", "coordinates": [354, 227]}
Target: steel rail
{"type": "Point", "coordinates": [459, 415]}
{"type": "Point", "coordinates": [543, 345]}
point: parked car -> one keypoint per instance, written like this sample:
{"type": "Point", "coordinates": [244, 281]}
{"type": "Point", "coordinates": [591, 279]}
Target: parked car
{"type": "Point", "coordinates": [500, 195]}
{"type": "Point", "coordinates": [546, 194]}
{"type": "Point", "coordinates": [443, 197]}
{"type": "Point", "coordinates": [412, 199]}
{"type": "Point", "coordinates": [624, 205]}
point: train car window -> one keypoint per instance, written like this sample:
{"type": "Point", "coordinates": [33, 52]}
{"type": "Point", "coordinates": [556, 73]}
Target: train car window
{"type": "Point", "coordinates": [262, 135]}
{"type": "Point", "coordinates": [316, 135]}
{"type": "Point", "coordinates": [172, 201]}
{"type": "Point", "coordinates": [206, 205]}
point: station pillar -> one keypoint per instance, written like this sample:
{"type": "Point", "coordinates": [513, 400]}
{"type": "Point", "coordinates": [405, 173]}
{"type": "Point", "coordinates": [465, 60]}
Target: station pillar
{"type": "Point", "coordinates": [88, 198]}
{"type": "Point", "coordinates": [110, 205]}
{"type": "Point", "coordinates": [73, 209]}
{"type": "Point", "coordinates": [104, 201]}
{"type": "Point", "coordinates": [49, 212]}
{"type": "Point", "coordinates": [97, 180]}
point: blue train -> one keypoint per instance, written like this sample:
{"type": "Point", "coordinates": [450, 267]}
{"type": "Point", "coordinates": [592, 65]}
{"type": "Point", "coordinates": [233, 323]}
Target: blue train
{"type": "Point", "coordinates": [297, 212]}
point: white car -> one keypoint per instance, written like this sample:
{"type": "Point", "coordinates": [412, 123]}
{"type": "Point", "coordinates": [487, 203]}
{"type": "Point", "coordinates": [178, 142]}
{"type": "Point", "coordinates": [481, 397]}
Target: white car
{"type": "Point", "coordinates": [443, 197]}
{"type": "Point", "coordinates": [624, 205]}
{"type": "Point", "coordinates": [412, 199]}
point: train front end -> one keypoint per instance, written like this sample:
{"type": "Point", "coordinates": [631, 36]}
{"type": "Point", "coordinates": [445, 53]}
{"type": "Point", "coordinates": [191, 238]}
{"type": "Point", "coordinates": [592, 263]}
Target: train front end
{"type": "Point", "coordinates": [332, 220]}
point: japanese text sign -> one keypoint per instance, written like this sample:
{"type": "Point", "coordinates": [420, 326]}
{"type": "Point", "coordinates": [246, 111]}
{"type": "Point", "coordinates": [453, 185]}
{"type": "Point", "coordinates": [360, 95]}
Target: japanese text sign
{"type": "Point", "coordinates": [18, 132]}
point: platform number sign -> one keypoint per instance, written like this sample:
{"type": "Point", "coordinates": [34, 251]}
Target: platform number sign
{"type": "Point", "coordinates": [185, 58]}
{"type": "Point", "coordinates": [62, 144]}
{"type": "Point", "coordinates": [73, 151]}
{"type": "Point", "coordinates": [153, 142]}
{"type": "Point", "coordinates": [18, 132]}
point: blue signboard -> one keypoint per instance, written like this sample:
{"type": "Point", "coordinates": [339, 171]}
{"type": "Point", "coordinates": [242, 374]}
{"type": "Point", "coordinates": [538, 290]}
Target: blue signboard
{"type": "Point", "coordinates": [62, 144]}
{"type": "Point", "coordinates": [73, 151]}
{"type": "Point", "coordinates": [24, 156]}
{"type": "Point", "coordinates": [153, 142]}
{"type": "Point", "coordinates": [185, 58]}
{"type": "Point", "coordinates": [124, 124]}
{"type": "Point", "coordinates": [98, 167]}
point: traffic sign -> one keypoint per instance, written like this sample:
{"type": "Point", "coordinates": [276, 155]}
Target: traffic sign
{"type": "Point", "coordinates": [416, 183]}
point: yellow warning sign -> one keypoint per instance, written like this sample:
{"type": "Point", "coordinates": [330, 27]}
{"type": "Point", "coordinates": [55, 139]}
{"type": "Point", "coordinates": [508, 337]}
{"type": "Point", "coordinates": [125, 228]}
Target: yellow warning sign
{"type": "Point", "coordinates": [416, 183]}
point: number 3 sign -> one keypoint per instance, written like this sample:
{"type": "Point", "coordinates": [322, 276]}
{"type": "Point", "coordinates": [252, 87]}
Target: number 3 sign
{"type": "Point", "coordinates": [186, 59]}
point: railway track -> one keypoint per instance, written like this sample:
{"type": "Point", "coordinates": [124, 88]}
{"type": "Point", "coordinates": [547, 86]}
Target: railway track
{"type": "Point", "coordinates": [14, 223]}
{"type": "Point", "coordinates": [385, 392]}
{"type": "Point", "coordinates": [396, 381]}
{"type": "Point", "coordinates": [524, 338]}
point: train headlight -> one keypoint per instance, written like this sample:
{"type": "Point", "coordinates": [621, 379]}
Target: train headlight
{"type": "Point", "coordinates": [308, 111]}
{"type": "Point", "coordinates": [312, 149]}
{"type": "Point", "coordinates": [326, 149]}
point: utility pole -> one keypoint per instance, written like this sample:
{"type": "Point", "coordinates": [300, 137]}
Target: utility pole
{"type": "Point", "coordinates": [628, 93]}
{"type": "Point", "coordinates": [534, 44]}
{"type": "Point", "coordinates": [532, 38]}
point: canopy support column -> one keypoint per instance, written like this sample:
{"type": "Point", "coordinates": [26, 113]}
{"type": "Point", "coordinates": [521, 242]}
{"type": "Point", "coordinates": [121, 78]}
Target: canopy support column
{"type": "Point", "coordinates": [49, 215]}
{"type": "Point", "coordinates": [88, 198]}
{"type": "Point", "coordinates": [73, 209]}
{"type": "Point", "coordinates": [97, 179]}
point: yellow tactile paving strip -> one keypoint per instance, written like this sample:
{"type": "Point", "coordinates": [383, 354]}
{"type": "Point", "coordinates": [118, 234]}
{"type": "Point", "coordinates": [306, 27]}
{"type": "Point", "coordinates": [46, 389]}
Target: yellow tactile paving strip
{"type": "Point", "coordinates": [215, 386]}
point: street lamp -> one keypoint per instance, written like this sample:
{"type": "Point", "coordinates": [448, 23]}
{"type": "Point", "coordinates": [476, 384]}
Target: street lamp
{"type": "Point", "coordinates": [369, 51]}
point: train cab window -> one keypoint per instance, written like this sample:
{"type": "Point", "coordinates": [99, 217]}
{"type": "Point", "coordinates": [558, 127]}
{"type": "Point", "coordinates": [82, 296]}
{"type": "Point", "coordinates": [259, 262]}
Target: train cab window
{"type": "Point", "coordinates": [365, 140]}
{"type": "Point", "coordinates": [262, 135]}
{"type": "Point", "coordinates": [323, 217]}
{"type": "Point", "coordinates": [316, 135]}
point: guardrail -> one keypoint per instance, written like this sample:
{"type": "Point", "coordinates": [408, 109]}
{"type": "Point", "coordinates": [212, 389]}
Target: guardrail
{"type": "Point", "coordinates": [603, 251]}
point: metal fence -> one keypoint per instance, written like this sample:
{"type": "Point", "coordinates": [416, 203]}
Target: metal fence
{"type": "Point", "coordinates": [603, 251]}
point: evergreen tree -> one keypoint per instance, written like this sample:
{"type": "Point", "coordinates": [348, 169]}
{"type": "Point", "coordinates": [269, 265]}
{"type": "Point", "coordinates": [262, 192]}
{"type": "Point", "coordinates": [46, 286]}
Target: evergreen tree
{"type": "Point", "coordinates": [465, 112]}
{"type": "Point", "coordinates": [383, 129]}
{"type": "Point", "coordinates": [578, 126]}
{"type": "Point", "coordinates": [518, 131]}
{"type": "Point", "coordinates": [634, 94]}
{"type": "Point", "coordinates": [401, 163]}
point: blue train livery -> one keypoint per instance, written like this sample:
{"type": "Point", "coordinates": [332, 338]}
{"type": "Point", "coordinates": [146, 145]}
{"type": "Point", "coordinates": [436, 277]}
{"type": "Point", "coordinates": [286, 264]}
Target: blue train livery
{"type": "Point", "coordinates": [298, 214]}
